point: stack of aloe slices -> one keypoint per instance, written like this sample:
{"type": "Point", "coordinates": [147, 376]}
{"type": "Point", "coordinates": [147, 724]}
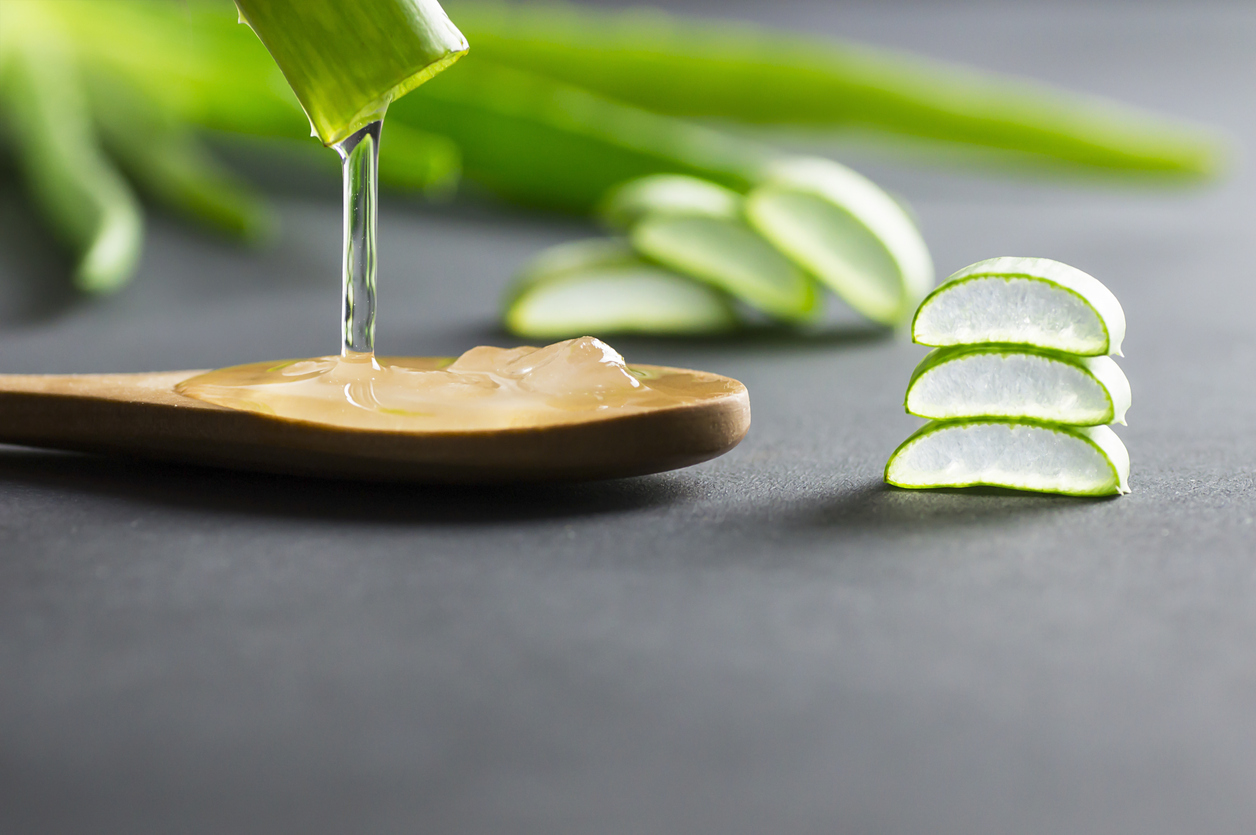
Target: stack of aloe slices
{"type": "Point", "coordinates": [697, 257]}
{"type": "Point", "coordinates": [1019, 389]}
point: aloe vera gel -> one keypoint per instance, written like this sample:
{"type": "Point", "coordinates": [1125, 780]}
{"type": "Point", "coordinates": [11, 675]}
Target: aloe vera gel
{"type": "Point", "coordinates": [1021, 391]}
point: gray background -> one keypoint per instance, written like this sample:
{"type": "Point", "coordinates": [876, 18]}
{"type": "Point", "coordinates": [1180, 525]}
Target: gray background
{"type": "Point", "coordinates": [770, 642]}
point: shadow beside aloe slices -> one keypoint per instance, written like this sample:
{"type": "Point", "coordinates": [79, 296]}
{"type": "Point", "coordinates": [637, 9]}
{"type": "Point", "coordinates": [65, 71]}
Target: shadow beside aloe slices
{"type": "Point", "coordinates": [881, 507]}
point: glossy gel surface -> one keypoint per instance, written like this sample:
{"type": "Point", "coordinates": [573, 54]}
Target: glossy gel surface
{"type": "Point", "coordinates": [484, 389]}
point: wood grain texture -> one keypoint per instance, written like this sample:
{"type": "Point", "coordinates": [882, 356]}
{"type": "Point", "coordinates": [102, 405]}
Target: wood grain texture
{"type": "Point", "coordinates": [142, 415]}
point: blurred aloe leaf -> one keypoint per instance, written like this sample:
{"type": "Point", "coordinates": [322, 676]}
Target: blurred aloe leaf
{"type": "Point", "coordinates": [167, 160]}
{"type": "Point", "coordinates": [89, 205]}
{"type": "Point", "coordinates": [555, 107]}
{"type": "Point", "coordinates": [747, 73]}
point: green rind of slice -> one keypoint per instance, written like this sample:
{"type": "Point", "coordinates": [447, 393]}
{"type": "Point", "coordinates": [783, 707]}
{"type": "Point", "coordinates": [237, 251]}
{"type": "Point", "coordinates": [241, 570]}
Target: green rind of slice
{"type": "Point", "coordinates": [729, 255]}
{"type": "Point", "coordinates": [671, 194]}
{"type": "Point", "coordinates": [1022, 301]}
{"type": "Point", "coordinates": [965, 382]}
{"type": "Point", "coordinates": [346, 61]}
{"type": "Point", "coordinates": [848, 232]}
{"type": "Point", "coordinates": [618, 299]}
{"type": "Point", "coordinates": [1019, 455]}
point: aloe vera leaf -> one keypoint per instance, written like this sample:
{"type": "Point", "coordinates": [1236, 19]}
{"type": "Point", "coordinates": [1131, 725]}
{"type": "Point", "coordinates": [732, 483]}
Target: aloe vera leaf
{"type": "Point", "coordinates": [415, 160]}
{"type": "Point", "coordinates": [601, 287]}
{"type": "Point", "coordinates": [539, 142]}
{"type": "Point", "coordinates": [82, 197]}
{"type": "Point", "coordinates": [750, 74]}
{"type": "Point", "coordinates": [202, 67]}
{"type": "Point", "coordinates": [168, 161]}
{"type": "Point", "coordinates": [192, 60]}
{"type": "Point", "coordinates": [347, 62]}
{"type": "Point", "coordinates": [528, 138]}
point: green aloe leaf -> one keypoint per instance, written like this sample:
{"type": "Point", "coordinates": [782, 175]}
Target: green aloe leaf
{"type": "Point", "coordinates": [347, 62]}
{"type": "Point", "coordinates": [752, 74]}
{"type": "Point", "coordinates": [83, 198]}
{"type": "Point", "coordinates": [536, 141]}
{"type": "Point", "coordinates": [167, 160]}
{"type": "Point", "coordinates": [529, 139]}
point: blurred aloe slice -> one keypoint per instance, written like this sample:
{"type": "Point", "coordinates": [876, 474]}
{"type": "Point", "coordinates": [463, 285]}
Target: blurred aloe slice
{"type": "Point", "coordinates": [695, 228]}
{"type": "Point", "coordinates": [347, 61]}
{"type": "Point", "coordinates": [601, 287]}
{"type": "Point", "coordinates": [81, 195]}
{"type": "Point", "coordinates": [668, 194]}
{"type": "Point", "coordinates": [1036, 302]}
{"type": "Point", "coordinates": [1001, 382]}
{"type": "Point", "coordinates": [848, 232]}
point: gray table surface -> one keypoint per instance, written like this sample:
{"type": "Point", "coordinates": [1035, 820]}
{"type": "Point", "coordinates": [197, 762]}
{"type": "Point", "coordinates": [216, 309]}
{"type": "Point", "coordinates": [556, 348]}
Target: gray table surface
{"type": "Point", "coordinates": [770, 642]}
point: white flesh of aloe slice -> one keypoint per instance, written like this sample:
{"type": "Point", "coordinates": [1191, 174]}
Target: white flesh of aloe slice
{"type": "Point", "coordinates": [848, 232]}
{"type": "Point", "coordinates": [1022, 301]}
{"type": "Point", "coordinates": [673, 194]}
{"type": "Point", "coordinates": [968, 382]}
{"type": "Point", "coordinates": [728, 254]}
{"type": "Point", "coordinates": [1075, 461]}
{"type": "Point", "coordinates": [601, 287]}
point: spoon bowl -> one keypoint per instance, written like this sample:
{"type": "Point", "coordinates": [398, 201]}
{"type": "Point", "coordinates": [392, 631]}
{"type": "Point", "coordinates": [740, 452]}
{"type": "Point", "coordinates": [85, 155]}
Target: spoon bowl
{"type": "Point", "coordinates": [142, 415]}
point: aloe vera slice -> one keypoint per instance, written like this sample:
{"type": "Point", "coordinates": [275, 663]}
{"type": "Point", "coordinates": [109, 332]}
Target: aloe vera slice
{"type": "Point", "coordinates": [602, 287]}
{"type": "Point", "coordinates": [1022, 301]}
{"type": "Point", "coordinates": [728, 254]}
{"type": "Point", "coordinates": [1075, 461]}
{"type": "Point", "coordinates": [671, 194]}
{"type": "Point", "coordinates": [997, 382]}
{"type": "Point", "coordinates": [346, 61]}
{"type": "Point", "coordinates": [848, 232]}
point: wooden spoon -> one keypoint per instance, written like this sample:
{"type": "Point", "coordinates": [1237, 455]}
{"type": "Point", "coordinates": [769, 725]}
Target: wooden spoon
{"type": "Point", "coordinates": [142, 415]}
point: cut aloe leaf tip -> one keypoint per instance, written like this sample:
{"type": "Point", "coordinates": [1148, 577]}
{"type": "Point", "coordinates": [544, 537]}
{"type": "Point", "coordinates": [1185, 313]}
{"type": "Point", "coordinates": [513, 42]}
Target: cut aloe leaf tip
{"type": "Point", "coordinates": [1076, 461]}
{"type": "Point", "coordinates": [997, 382]}
{"type": "Point", "coordinates": [848, 232]}
{"type": "Point", "coordinates": [347, 61]}
{"type": "Point", "coordinates": [1022, 301]}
